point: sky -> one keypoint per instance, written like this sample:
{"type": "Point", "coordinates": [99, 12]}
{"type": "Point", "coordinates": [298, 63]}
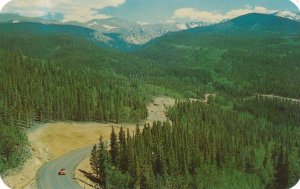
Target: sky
{"type": "Point", "coordinates": [144, 11]}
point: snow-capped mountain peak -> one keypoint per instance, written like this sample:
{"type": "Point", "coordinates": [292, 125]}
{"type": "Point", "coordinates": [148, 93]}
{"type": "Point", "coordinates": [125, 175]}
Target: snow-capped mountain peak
{"type": "Point", "coordinates": [190, 25]}
{"type": "Point", "coordinates": [196, 24]}
{"type": "Point", "coordinates": [288, 14]}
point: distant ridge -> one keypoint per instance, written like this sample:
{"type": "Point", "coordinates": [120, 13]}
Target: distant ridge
{"type": "Point", "coordinates": [253, 23]}
{"type": "Point", "coordinates": [111, 33]}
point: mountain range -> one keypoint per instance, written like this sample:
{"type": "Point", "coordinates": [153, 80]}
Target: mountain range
{"type": "Point", "coordinates": [114, 29]}
{"type": "Point", "coordinates": [128, 35]}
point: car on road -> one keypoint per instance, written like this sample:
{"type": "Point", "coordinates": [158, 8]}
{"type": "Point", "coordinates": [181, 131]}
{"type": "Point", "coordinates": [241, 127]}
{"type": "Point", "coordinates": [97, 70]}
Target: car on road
{"type": "Point", "coordinates": [62, 172]}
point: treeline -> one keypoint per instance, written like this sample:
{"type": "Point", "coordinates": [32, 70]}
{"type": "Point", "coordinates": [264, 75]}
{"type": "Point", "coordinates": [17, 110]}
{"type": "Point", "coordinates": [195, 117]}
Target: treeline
{"type": "Point", "coordinates": [205, 147]}
{"type": "Point", "coordinates": [33, 90]}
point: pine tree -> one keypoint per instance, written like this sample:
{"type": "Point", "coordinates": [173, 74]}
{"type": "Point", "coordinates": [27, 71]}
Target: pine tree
{"type": "Point", "coordinates": [123, 157]}
{"type": "Point", "coordinates": [114, 148]}
{"type": "Point", "coordinates": [103, 163]}
{"type": "Point", "coordinates": [94, 160]}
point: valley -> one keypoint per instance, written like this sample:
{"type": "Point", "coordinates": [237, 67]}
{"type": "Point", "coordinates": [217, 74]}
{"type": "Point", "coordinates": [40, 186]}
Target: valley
{"type": "Point", "coordinates": [193, 94]}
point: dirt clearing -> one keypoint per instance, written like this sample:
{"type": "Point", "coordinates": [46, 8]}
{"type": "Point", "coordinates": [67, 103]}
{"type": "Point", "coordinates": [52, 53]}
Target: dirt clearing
{"type": "Point", "coordinates": [157, 109]}
{"type": "Point", "coordinates": [61, 138]}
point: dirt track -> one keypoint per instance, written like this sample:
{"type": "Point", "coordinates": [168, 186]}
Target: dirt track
{"type": "Point", "coordinates": [279, 97]}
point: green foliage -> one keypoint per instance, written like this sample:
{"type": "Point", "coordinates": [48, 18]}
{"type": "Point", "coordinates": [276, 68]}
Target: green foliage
{"type": "Point", "coordinates": [103, 163]}
{"type": "Point", "coordinates": [293, 166]}
{"type": "Point", "coordinates": [208, 147]}
{"type": "Point", "coordinates": [188, 63]}
{"type": "Point", "coordinates": [33, 90]}
{"type": "Point", "coordinates": [114, 148]}
{"type": "Point", "coordinates": [116, 179]}
{"type": "Point", "coordinates": [238, 65]}
{"type": "Point", "coordinates": [94, 160]}
{"type": "Point", "coordinates": [277, 111]}
{"type": "Point", "coordinates": [12, 147]}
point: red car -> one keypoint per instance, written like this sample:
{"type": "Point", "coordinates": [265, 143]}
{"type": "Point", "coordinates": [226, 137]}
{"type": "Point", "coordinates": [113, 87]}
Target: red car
{"type": "Point", "coordinates": [62, 172]}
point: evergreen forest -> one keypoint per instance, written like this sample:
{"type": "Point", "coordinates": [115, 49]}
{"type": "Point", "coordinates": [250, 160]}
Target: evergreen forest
{"type": "Point", "coordinates": [206, 147]}
{"type": "Point", "coordinates": [238, 139]}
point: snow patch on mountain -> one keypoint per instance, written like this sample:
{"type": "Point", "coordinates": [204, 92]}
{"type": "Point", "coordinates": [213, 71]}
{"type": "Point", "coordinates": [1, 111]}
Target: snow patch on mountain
{"type": "Point", "coordinates": [288, 14]}
{"type": "Point", "coordinates": [109, 27]}
{"type": "Point", "coordinates": [190, 25]}
{"type": "Point", "coordinates": [181, 26]}
{"type": "Point", "coordinates": [92, 24]}
{"type": "Point", "coordinates": [142, 34]}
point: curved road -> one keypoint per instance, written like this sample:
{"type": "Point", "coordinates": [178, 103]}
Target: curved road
{"type": "Point", "coordinates": [48, 177]}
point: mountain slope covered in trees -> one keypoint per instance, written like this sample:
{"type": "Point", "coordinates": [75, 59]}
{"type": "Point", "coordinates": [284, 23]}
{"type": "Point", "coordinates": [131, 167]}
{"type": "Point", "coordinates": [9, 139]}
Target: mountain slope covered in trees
{"type": "Point", "coordinates": [57, 73]}
{"type": "Point", "coordinates": [230, 57]}
{"type": "Point", "coordinates": [33, 90]}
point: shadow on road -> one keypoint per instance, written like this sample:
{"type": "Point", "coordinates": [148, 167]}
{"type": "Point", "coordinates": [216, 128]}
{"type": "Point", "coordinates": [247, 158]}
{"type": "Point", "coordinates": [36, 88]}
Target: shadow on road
{"type": "Point", "coordinates": [89, 176]}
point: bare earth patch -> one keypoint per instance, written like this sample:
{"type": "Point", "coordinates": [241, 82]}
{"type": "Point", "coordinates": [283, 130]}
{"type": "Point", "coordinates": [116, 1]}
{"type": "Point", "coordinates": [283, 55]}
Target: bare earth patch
{"type": "Point", "coordinates": [205, 100]}
{"type": "Point", "coordinates": [61, 138]}
{"type": "Point", "coordinates": [157, 109]}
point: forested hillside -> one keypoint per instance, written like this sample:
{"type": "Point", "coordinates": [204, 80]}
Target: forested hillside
{"type": "Point", "coordinates": [192, 62]}
{"type": "Point", "coordinates": [206, 147]}
{"type": "Point", "coordinates": [33, 90]}
{"type": "Point", "coordinates": [230, 58]}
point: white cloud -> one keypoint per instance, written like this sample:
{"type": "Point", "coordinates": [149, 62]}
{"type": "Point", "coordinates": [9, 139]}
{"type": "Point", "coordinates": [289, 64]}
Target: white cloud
{"type": "Point", "coordinates": [72, 10]}
{"type": "Point", "coordinates": [192, 14]}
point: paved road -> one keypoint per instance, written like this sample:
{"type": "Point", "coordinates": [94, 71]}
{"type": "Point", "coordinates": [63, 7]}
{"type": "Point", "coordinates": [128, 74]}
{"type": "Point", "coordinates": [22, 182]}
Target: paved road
{"type": "Point", "coordinates": [48, 177]}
